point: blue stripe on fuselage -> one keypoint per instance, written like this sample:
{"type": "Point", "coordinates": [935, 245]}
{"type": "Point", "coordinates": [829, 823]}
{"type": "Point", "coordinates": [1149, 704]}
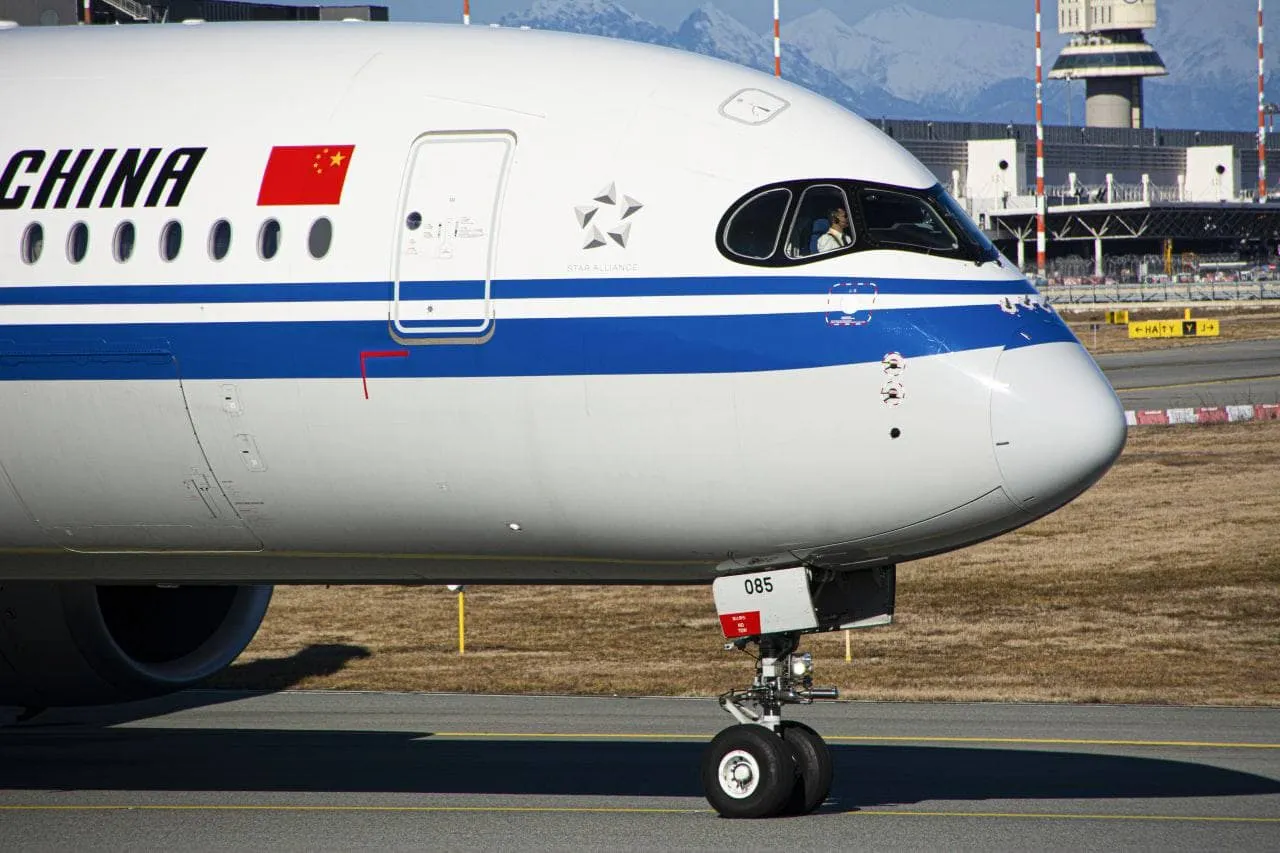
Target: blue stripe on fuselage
{"type": "Point", "coordinates": [541, 347]}
{"type": "Point", "coordinates": [159, 294]}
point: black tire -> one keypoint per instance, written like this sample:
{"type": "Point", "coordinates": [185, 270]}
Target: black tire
{"type": "Point", "coordinates": [748, 772]}
{"type": "Point", "coordinates": [813, 768]}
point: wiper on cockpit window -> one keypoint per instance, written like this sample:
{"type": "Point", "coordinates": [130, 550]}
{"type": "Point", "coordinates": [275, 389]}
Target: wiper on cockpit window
{"type": "Point", "coordinates": [985, 254]}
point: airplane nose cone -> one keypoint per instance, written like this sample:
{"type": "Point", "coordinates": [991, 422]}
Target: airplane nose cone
{"type": "Point", "coordinates": [1056, 423]}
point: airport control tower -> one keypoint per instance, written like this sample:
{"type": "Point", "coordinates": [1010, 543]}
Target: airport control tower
{"type": "Point", "coordinates": [1109, 53]}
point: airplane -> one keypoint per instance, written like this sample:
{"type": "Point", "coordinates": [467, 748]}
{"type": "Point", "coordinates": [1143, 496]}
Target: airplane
{"type": "Point", "coordinates": [365, 302]}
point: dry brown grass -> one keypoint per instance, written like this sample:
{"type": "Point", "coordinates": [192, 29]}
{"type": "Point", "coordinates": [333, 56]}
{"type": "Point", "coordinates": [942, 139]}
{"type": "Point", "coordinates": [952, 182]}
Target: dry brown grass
{"type": "Point", "coordinates": [1255, 323]}
{"type": "Point", "coordinates": [1161, 584]}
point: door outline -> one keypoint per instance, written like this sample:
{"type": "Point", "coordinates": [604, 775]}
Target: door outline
{"type": "Point", "coordinates": [471, 333]}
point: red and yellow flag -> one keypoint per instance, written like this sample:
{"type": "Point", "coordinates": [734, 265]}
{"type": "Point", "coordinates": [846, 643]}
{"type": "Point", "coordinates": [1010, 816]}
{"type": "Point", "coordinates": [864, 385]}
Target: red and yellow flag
{"type": "Point", "coordinates": [305, 174]}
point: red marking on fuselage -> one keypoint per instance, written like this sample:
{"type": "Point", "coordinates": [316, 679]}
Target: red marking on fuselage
{"type": "Point", "coordinates": [382, 353]}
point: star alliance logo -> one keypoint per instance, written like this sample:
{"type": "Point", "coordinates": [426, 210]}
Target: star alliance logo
{"type": "Point", "coordinates": [612, 212]}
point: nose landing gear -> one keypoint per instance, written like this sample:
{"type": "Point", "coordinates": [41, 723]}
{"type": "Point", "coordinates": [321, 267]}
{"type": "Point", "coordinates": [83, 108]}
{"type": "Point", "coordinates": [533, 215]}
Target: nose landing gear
{"type": "Point", "coordinates": [764, 767]}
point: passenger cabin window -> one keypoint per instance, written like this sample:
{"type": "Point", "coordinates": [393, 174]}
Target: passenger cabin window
{"type": "Point", "coordinates": [78, 242]}
{"type": "Point", "coordinates": [122, 245]}
{"type": "Point", "coordinates": [269, 239]}
{"type": "Point", "coordinates": [219, 239]}
{"type": "Point", "coordinates": [171, 240]}
{"type": "Point", "coordinates": [899, 220]}
{"type": "Point", "coordinates": [320, 238]}
{"type": "Point", "coordinates": [754, 228]}
{"type": "Point", "coordinates": [32, 243]}
{"type": "Point", "coordinates": [822, 223]}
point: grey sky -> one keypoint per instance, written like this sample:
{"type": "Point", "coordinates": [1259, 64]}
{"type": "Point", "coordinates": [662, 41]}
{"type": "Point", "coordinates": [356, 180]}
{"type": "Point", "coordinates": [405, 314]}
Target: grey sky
{"type": "Point", "coordinates": [755, 13]}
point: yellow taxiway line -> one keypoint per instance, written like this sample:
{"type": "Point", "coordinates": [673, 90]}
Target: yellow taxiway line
{"type": "Point", "coordinates": [1070, 816]}
{"type": "Point", "coordinates": [265, 807]}
{"type": "Point", "coordinates": [1192, 744]}
{"type": "Point", "coordinates": [269, 807]}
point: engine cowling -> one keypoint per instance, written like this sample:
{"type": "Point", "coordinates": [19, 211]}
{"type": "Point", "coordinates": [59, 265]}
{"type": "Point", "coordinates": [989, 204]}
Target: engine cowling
{"type": "Point", "coordinates": [89, 644]}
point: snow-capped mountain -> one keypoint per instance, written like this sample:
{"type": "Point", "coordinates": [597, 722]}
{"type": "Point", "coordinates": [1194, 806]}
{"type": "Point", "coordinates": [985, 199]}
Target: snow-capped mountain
{"type": "Point", "coordinates": [593, 17]}
{"type": "Point", "coordinates": [713, 32]}
{"type": "Point", "coordinates": [855, 57]}
{"type": "Point", "coordinates": [904, 63]}
{"type": "Point", "coordinates": [1210, 49]}
{"type": "Point", "coordinates": [944, 63]}
{"type": "Point", "coordinates": [707, 30]}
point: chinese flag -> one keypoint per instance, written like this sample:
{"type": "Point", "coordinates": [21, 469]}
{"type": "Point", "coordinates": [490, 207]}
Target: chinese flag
{"type": "Point", "coordinates": [305, 174]}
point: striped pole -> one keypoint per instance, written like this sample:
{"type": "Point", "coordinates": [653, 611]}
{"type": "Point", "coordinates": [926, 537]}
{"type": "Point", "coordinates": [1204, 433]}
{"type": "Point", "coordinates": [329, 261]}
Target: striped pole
{"type": "Point", "coordinates": [466, 13]}
{"type": "Point", "coordinates": [777, 41]}
{"type": "Point", "coordinates": [1040, 206]}
{"type": "Point", "coordinates": [1262, 108]}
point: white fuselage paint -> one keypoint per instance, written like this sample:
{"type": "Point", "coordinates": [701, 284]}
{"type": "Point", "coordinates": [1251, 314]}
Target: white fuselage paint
{"type": "Point", "coordinates": [651, 456]}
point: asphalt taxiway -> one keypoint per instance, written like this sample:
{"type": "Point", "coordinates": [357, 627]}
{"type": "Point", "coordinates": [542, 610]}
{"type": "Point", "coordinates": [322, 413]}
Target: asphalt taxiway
{"type": "Point", "coordinates": [1225, 374]}
{"type": "Point", "coordinates": [332, 770]}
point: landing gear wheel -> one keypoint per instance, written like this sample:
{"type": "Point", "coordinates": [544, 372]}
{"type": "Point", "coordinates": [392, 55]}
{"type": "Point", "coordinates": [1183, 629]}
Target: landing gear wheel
{"type": "Point", "coordinates": [748, 772]}
{"type": "Point", "coordinates": [813, 768]}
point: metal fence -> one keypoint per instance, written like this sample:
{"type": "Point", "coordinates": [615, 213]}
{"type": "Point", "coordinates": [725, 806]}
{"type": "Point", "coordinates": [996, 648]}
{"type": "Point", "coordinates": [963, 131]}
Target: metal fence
{"type": "Point", "coordinates": [1112, 293]}
{"type": "Point", "coordinates": [1142, 278]}
{"type": "Point", "coordinates": [1184, 268]}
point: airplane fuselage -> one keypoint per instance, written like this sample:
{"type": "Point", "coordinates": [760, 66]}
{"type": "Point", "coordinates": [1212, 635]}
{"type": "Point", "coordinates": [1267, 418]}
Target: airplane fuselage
{"type": "Point", "coordinates": [369, 302]}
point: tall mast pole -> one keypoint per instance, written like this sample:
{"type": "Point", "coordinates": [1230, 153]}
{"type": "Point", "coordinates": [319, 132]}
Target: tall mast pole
{"type": "Point", "coordinates": [1262, 125]}
{"type": "Point", "coordinates": [777, 42]}
{"type": "Point", "coordinates": [1040, 203]}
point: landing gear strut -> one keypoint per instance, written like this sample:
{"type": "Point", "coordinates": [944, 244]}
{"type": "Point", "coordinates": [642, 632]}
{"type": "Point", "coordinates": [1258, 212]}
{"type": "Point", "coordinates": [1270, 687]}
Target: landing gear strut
{"type": "Point", "coordinates": [765, 766]}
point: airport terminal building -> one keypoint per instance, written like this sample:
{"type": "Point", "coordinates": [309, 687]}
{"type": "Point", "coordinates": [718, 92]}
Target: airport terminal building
{"type": "Point", "coordinates": [33, 13]}
{"type": "Point", "coordinates": [1112, 194]}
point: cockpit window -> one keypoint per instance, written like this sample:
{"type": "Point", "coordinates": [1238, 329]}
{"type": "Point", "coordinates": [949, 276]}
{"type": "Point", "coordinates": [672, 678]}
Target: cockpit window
{"type": "Point", "coordinates": [984, 250]}
{"type": "Point", "coordinates": [822, 223]}
{"type": "Point", "coordinates": [754, 228]}
{"type": "Point", "coordinates": [835, 217]}
{"type": "Point", "coordinates": [899, 220]}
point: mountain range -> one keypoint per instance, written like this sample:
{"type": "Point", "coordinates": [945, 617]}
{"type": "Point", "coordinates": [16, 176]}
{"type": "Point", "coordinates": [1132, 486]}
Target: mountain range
{"type": "Point", "coordinates": [900, 62]}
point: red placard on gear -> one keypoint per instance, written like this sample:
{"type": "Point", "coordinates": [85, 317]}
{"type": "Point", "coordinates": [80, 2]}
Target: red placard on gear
{"type": "Point", "coordinates": [305, 174]}
{"type": "Point", "coordinates": [740, 624]}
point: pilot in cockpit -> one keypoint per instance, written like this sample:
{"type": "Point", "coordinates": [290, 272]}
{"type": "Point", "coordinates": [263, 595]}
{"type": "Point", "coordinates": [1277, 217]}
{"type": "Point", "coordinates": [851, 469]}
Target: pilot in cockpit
{"type": "Point", "coordinates": [838, 232]}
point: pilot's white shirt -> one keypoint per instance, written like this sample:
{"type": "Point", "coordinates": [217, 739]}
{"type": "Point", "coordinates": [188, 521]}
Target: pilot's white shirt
{"type": "Point", "coordinates": [833, 240]}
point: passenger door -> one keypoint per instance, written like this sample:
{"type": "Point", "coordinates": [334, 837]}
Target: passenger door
{"type": "Point", "coordinates": [450, 207]}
